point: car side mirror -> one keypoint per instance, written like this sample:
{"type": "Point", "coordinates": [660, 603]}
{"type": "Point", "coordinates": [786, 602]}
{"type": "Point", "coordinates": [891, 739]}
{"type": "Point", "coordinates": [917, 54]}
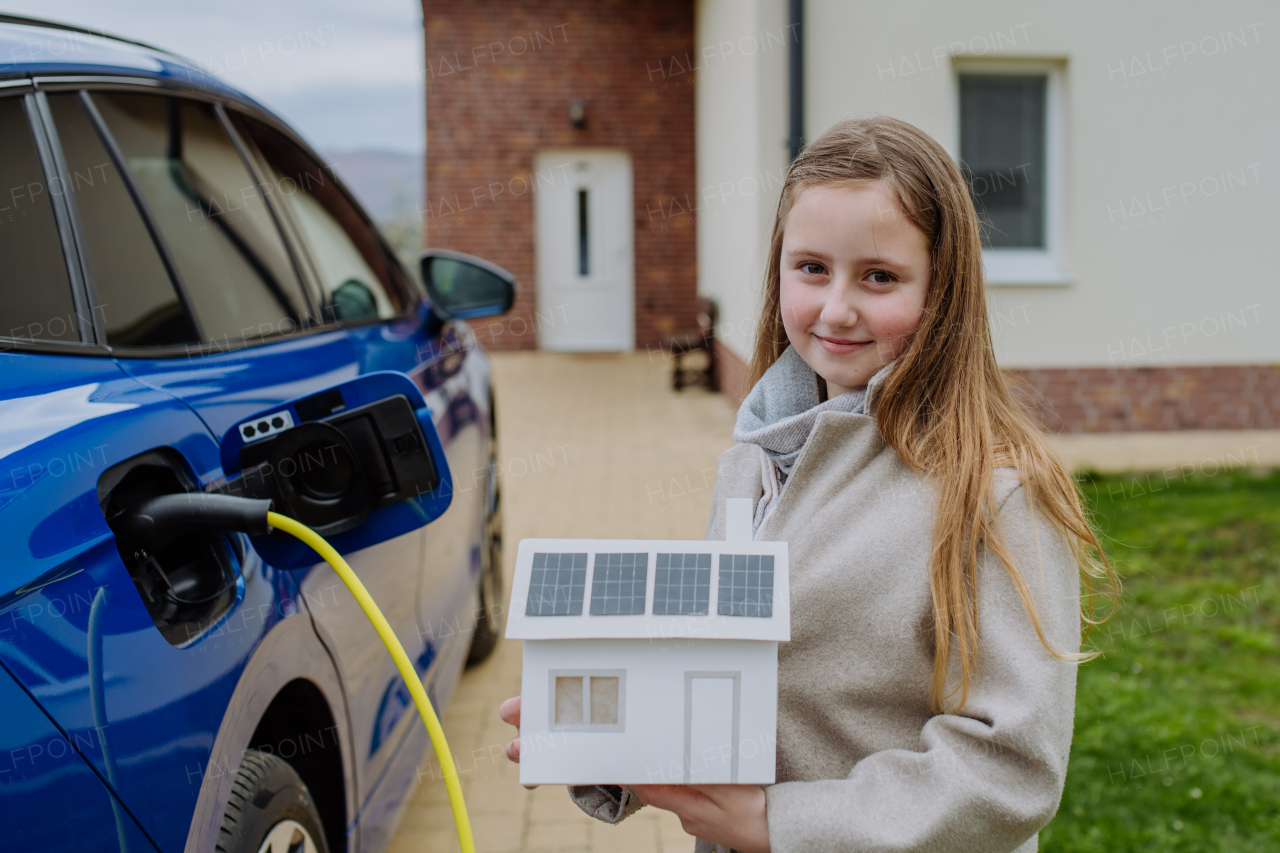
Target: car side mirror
{"type": "Point", "coordinates": [463, 287]}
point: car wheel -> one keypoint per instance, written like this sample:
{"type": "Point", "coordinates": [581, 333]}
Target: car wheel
{"type": "Point", "coordinates": [488, 617]}
{"type": "Point", "coordinates": [270, 810]}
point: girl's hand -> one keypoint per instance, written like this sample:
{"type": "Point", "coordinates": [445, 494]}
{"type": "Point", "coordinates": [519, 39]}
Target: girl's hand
{"type": "Point", "coordinates": [509, 712]}
{"type": "Point", "coordinates": [731, 815]}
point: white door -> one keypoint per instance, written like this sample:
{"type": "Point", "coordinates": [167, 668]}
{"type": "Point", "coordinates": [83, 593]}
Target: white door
{"type": "Point", "coordinates": [586, 270]}
{"type": "Point", "coordinates": [711, 727]}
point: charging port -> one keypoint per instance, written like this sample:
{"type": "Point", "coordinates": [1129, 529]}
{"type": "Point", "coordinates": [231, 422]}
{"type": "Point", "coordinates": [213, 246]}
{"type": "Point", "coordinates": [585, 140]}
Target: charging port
{"type": "Point", "coordinates": [188, 583]}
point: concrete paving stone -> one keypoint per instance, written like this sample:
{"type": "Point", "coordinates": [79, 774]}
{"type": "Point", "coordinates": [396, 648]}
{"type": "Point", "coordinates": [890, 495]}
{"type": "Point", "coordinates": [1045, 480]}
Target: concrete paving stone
{"type": "Point", "coordinates": [636, 834]}
{"type": "Point", "coordinates": [1177, 452]}
{"type": "Point", "coordinates": [498, 832]}
{"type": "Point", "coordinates": [559, 836]}
{"type": "Point", "coordinates": [590, 447]}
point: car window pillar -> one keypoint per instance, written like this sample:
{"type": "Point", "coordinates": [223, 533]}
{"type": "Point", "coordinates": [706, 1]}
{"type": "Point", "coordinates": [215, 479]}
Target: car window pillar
{"type": "Point", "coordinates": [122, 166]}
{"type": "Point", "coordinates": [64, 212]}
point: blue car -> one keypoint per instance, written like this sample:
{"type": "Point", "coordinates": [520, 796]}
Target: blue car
{"type": "Point", "coordinates": [188, 296]}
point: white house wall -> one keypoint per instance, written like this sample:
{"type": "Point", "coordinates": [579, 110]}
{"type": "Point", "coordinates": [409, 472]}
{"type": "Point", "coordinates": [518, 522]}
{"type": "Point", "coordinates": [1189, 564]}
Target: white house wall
{"type": "Point", "coordinates": [1161, 102]}
{"type": "Point", "coordinates": [741, 153]}
{"type": "Point", "coordinates": [1166, 278]}
{"type": "Point", "coordinates": [651, 748]}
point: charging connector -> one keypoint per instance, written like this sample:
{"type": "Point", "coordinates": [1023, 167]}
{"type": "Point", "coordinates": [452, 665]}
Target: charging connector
{"type": "Point", "coordinates": [158, 521]}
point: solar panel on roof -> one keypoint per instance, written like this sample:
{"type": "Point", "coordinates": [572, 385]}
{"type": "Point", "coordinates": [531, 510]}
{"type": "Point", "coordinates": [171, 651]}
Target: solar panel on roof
{"type": "Point", "coordinates": [746, 585]}
{"type": "Point", "coordinates": [556, 585]}
{"type": "Point", "coordinates": [682, 584]}
{"type": "Point", "coordinates": [617, 584]}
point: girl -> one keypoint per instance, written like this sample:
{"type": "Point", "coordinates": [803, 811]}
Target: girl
{"type": "Point", "coordinates": [937, 546]}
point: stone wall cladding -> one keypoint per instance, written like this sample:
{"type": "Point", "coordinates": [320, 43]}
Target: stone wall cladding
{"type": "Point", "coordinates": [500, 75]}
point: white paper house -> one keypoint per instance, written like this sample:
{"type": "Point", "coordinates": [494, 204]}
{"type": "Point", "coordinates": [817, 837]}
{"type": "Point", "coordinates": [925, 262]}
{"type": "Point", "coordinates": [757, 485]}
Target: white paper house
{"type": "Point", "coordinates": [650, 661]}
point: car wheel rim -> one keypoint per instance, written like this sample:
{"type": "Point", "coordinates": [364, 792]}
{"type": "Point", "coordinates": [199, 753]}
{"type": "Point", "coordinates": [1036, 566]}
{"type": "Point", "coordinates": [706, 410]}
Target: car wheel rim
{"type": "Point", "coordinates": [288, 836]}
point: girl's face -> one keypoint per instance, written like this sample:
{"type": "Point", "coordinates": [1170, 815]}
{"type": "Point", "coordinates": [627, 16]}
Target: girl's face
{"type": "Point", "coordinates": [855, 271]}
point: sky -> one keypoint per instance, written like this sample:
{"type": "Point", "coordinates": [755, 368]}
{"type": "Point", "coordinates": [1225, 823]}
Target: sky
{"type": "Point", "coordinates": [346, 75]}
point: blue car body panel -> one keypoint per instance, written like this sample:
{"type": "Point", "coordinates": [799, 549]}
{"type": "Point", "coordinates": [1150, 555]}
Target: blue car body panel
{"type": "Point", "coordinates": [155, 730]}
{"type": "Point", "coordinates": [39, 766]}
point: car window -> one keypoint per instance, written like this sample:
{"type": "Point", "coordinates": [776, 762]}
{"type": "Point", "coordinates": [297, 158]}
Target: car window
{"type": "Point", "coordinates": [230, 258]}
{"type": "Point", "coordinates": [134, 297]}
{"type": "Point", "coordinates": [353, 273]}
{"type": "Point", "coordinates": [35, 293]}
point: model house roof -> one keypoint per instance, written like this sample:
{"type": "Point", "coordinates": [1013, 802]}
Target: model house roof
{"type": "Point", "coordinates": [650, 589]}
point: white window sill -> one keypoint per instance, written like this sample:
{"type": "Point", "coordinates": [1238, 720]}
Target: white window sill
{"type": "Point", "coordinates": [1023, 267]}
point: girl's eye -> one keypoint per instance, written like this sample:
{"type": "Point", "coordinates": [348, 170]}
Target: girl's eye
{"type": "Point", "coordinates": [811, 268]}
{"type": "Point", "coordinates": [881, 277]}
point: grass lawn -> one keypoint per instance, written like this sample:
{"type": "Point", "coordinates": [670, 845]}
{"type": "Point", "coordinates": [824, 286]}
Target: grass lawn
{"type": "Point", "coordinates": [1177, 737]}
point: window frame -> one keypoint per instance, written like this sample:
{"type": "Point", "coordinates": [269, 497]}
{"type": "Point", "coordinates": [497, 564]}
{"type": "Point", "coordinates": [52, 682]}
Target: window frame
{"type": "Point", "coordinates": [93, 341]}
{"type": "Point", "coordinates": [291, 233]}
{"type": "Point", "coordinates": [50, 157]}
{"type": "Point", "coordinates": [586, 675]}
{"type": "Point", "coordinates": [1029, 267]}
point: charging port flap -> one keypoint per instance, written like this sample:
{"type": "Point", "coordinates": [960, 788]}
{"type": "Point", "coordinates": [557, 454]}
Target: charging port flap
{"type": "Point", "coordinates": [360, 463]}
{"type": "Point", "coordinates": [186, 576]}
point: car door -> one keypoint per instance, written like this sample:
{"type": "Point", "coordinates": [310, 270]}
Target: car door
{"type": "Point", "coordinates": [138, 694]}
{"type": "Point", "coordinates": [278, 266]}
{"type": "Point", "coordinates": [358, 283]}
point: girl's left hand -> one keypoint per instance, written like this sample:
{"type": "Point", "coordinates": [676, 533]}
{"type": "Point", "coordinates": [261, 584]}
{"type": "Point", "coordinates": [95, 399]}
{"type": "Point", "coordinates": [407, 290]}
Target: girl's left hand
{"type": "Point", "coordinates": [731, 815]}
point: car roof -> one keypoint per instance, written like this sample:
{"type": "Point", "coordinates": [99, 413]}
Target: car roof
{"type": "Point", "coordinates": [34, 48]}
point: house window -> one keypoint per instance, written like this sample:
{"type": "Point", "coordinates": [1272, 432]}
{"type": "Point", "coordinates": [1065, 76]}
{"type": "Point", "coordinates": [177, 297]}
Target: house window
{"type": "Point", "coordinates": [746, 585]}
{"type": "Point", "coordinates": [1002, 152]}
{"type": "Point", "coordinates": [1010, 150]}
{"type": "Point", "coordinates": [617, 585]}
{"type": "Point", "coordinates": [584, 239]}
{"type": "Point", "coordinates": [682, 584]}
{"type": "Point", "coordinates": [556, 585]}
{"type": "Point", "coordinates": [588, 700]}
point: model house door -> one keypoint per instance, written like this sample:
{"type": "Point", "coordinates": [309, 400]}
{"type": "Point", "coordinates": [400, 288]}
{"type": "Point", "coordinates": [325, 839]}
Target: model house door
{"type": "Point", "coordinates": [586, 277]}
{"type": "Point", "coordinates": [711, 727]}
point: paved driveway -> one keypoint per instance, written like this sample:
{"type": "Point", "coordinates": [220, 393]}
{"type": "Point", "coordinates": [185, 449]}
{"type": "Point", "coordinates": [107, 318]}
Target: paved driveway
{"type": "Point", "coordinates": [592, 446]}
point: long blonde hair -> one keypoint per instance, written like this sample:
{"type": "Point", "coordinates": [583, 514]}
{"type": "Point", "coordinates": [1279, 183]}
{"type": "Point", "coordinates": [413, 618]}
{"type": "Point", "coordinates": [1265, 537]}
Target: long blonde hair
{"type": "Point", "coordinates": [945, 406]}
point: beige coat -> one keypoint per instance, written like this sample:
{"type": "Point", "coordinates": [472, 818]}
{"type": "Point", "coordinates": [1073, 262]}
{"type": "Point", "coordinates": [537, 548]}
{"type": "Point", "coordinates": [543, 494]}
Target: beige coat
{"type": "Point", "coordinates": [863, 764]}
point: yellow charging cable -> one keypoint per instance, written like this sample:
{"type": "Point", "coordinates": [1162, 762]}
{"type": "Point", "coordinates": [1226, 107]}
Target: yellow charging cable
{"type": "Point", "coordinates": [388, 637]}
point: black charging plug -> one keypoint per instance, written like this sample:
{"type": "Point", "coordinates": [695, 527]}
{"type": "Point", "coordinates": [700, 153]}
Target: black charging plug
{"type": "Point", "coordinates": [156, 522]}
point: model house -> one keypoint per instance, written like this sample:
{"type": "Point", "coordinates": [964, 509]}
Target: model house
{"type": "Point", "coordinates": [650, 661]}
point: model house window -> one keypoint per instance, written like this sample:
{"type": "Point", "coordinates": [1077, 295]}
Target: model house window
{"type": "Point", "coordinates": [617, 585]}
{"type": "Point", "coordinates": [682, 584]}
{"type": "Point", "coordinates": [588, 700]}
{"type": "Point", "coordinates": [1010, 150]}
{"type": "Point", "coordinates": [746, 585]}
{"type": "Point", "coordinates": [556, 585]}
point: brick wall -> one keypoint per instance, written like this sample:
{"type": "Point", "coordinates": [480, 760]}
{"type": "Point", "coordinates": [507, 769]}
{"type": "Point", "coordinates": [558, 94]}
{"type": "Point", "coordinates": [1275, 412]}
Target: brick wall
{"type": "Point", "coordinates": [500, 76]}
{"type": "Point", "coordinates": [732, 374]}
{"type": "Point", "coordinates": [1091, 400]}
{"type": "Point", "coordinates": [1153, 398]}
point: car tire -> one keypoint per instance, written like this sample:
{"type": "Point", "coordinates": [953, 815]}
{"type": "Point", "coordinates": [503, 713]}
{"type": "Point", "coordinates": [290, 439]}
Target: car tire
{"type": "Point", "coordinates": [270, 810]}
{"type": "Point", "coordinates": [488, 626]}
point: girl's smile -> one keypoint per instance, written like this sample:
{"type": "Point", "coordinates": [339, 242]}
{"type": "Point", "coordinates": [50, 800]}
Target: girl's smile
{"type": "Point", "coordinates": [853, 279]}
{"type": "Point", "coordinates": [841, 347]}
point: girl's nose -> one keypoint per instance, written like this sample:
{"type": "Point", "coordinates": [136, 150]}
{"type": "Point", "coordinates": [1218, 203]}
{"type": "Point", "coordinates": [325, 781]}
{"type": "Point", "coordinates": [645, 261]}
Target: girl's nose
{"type": "Point", "coordinates": [838, 310]}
